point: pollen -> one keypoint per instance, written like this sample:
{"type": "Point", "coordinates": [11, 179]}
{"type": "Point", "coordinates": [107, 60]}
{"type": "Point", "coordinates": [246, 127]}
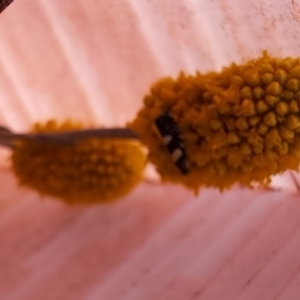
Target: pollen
{"type": "Point", "coordinates": [239, 125]}
{"type": "Point", "coordinates": [89, 172]}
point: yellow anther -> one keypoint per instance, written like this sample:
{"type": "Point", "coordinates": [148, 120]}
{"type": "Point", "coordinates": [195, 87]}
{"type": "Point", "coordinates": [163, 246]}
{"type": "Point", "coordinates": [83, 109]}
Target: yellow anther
{"type": "Point", "coordinates": [247, 130]}
{"type": "Point", "coordinates": [88, 172]}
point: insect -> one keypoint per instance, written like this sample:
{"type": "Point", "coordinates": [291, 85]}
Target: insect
{"type": "Point", "coordinates": [170, 134]}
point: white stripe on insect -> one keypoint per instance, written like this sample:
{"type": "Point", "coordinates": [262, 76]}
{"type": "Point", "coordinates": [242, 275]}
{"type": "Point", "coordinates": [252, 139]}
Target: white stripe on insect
{"type": "Point", "coordinates": [177, 154]}
{"type": "Point", "coordinates": [171, 137]}
{"type": "Point", "coordinates": [167, 139]}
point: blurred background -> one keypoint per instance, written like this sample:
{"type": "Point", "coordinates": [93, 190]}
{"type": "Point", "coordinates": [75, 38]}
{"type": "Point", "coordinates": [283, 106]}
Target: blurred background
{"type": "Point", "coordinates": [93, 61]}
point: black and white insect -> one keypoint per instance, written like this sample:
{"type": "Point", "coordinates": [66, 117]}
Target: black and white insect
{"type": "Point", "coordinates": [170, 134]}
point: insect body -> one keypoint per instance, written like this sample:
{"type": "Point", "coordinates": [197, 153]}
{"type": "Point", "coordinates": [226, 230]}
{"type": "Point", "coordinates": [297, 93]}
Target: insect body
{"type": "Point", "coordinates": [170, 134]}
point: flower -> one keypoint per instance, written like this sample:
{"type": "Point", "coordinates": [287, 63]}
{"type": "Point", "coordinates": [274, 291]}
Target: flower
{"type": "Point", "coordinates": [241, 125]}
{"type": "Point", "coordinates": [89, 172]}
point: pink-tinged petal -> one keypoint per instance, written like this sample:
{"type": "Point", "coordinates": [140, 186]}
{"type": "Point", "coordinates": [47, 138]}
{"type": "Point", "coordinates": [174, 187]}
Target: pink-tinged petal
{"type": "Point", "coordinates": [93, 61]}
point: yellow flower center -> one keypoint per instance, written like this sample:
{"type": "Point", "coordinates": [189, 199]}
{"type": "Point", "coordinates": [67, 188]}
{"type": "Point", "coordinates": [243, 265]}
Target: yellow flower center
{"type": "Point", "coordinates": [241, 125]}
{"type": "Point", "coordinates": [89, 172]}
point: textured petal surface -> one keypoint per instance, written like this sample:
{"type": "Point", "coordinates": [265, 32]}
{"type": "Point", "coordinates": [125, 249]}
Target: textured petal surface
{"type": "Point", "coordinates": [93, 61]}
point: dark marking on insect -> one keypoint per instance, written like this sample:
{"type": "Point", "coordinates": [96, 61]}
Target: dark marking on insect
{"type": "Point", "coordinates": [170, 134]}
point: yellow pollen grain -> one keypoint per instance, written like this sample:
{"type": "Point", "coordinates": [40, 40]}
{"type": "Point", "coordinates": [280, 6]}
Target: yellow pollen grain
{"type": "Point", "coordinates": [292, 122]}
{"type": "Point", "coordinates": [251, 77]}
{"type": "Point", "coordinates": [237, 81]}
{"type": "Point", "coordinates": [274, 88]}
{"type": "Point", "coordinates": [272, 100]}
{"type": "Point", "coordinates": [262, 129]}
{"type": "Point", "coordinates": [282, 108]}
{"type": "Point", "coordinates": [280, 76]}
{"type": "Point", "coordinates": [246, 92]}
{"type": "Point", "coordinates": [287, 95]}
{"type": "Point", "coordinates": [286, 133]}
{"type": "Point", "coordinates": [215, 125]}
{"type": "Point", "coordinates": [232, 138]}
{"type": "Point", "coordinates": [295, 72]}
{"type": "Point", "coordinates": [270, 119]}
{"type": "Point", "coordinates": [292, 85]}
{"type": "Point", "coordinates": [242, 124]}
{"type": "Point", "coordinates": [91, 171]}
{"type": "Point", "coordinates": [261, 107]}
{"type": "Point", "coordinates": [294, 107]}
{"type": "Point", "coordinates": [253, 121]}
{"type": "Point", "coordinates": [267, 78]}
{"type": "Point", "coordinates": [258, 92]}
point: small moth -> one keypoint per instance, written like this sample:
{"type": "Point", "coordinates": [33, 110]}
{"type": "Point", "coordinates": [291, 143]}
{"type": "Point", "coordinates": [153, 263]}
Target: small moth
{"type": "Point", "coordinates": [171, 137]}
